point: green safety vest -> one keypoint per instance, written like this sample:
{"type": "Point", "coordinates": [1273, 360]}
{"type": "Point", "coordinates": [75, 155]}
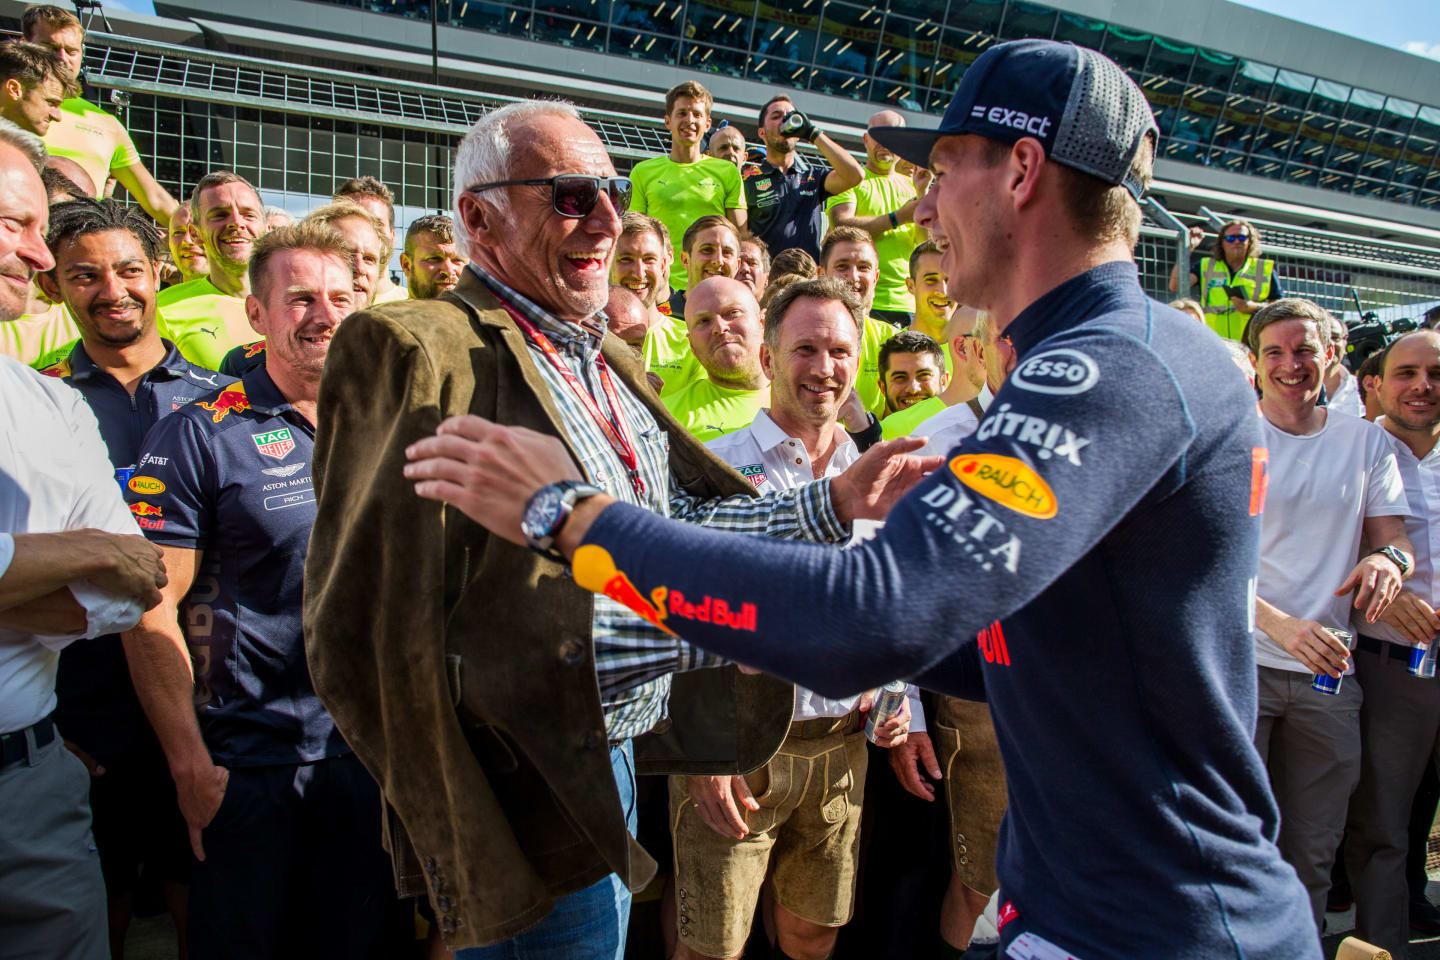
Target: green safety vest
{"type": "Point", "coordinates": [1254, 277]}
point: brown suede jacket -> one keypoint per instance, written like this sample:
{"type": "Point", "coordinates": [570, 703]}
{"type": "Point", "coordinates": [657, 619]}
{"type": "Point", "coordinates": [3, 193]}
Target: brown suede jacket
{"type": "Point", "coordinates": [459, 666]}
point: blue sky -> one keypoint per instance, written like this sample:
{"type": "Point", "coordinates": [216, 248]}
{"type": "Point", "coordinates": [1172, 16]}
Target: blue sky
{"type": "Point", "coordinates": [1412, 25]}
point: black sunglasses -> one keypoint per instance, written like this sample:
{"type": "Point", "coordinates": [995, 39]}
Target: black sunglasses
{"type": "Point", "coordinates": [574, 194]}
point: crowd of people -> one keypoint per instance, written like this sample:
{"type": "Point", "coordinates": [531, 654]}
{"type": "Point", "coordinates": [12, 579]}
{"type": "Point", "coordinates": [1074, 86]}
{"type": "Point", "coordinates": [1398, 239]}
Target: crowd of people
{"type": "Point", "coordinates": [344, 688]}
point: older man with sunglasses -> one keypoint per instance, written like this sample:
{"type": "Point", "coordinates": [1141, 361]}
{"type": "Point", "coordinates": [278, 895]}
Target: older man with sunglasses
{"type": "Point", "coordinates": [500, 706]}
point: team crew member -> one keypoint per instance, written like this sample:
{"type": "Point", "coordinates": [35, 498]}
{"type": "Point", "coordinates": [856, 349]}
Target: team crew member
{"type": "Point", "coordinates": [927, 283]}
{"type": "Point", "coordinates": [752, 267]}
{"type": "Point", "coordinates": [86, 134]}
{"type": "Point", "coordinates": [1234, 279]}
{"type": "Point", "coordinates": [727, 143]}
{"type": "Point", "coordinates": [912, 370]}
{"type": "Point", "coordinates": [431, 262]}
{"type": "Point", "coordinates": [786, 193]}
{"type": "Point", "coordinates": [1073, 598]}
{"type": "Point", "coordinates": [642, 266]}
{"type": "Point", "coordinates": [726, 338]}
{"type": "Point", "coordinates": [965, 396]}
{"type": "Point", "coordinates": [365, 233]}
{"type": "Point", "coordinates": [686, 185]}
{"type": "Point", "coordinates": [710, 247]}
{"type": "Point", "coordinates": [883, 205]}
{"type": "Point", "coordinates": [71, 565]}
{"type": "Point", "coordinates": [32, 86]}
{"type": "Point", "coordinates": [206, 317]}
{"type": "Point", "coordinates": [1333, 482]}
{"type": "Point", "coordinates": [1400, 718]}
{"type": "Point", "coordinates": [806, 834]}
{"type": "Point", "coordinates": [1342, 388]}
{"type": "Point", "coordinates": [536, 283]}
{"type": "Point", "coordinates": [187, 250]}
{"type": "Point", "coordinates": [231, 505]}
{"type": "Point", "coordinates": [377, 200]}
{"type": "Point", "coordinates": [849, 253]}
{"type": "Point", "coordinates": [107, 262]}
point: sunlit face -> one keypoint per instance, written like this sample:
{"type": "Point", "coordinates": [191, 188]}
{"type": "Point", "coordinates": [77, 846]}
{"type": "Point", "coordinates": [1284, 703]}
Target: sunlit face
{"type": "Point", "coordinates": [1409, 390]}
{"type": "Point", "coordinates": [307, 294]}
{"type": "Point", "coordinates": [728, 143]}
{"type": "Point", "coordinates": [231, 220]}
{"type": "Point", "coordinates": [35, 108]}
{"type": "Point", "coordinates": [714, 252]}
{"type": "Point", "coordinates": [750, 268]}
{"type": "Point", "coordinates": [857, 265]}
{"type": "Point", "coordinates": [770, 127]}
{"type": "Point", "coordinates": [814, 363]}
{"type": "Point", "coordinates": [109, 285]}
{"type": "Point", "coordinates": [378, 209]}
{"type": "Point", "coordinates": [561, 263]}
{"type": "Point", "coordinates": [432, 267]}
{"type": "Point", "coordinates": [1290, 367]}
{"type": "Point", "coordinates": [688, 120]}
{"type": "Point", "coordinates": [68, 41]}
{"type": "Point", "coordinates": [368, 250]}
{"type": "Point", "coordinates": [725, 330]}
{"type": "Point", "coordinates": [642, 265]}
{"type": "Point", "coordinates": [187, 250]}
{"type": "Point", "coordinates": [930, 287]}
{"type": "Point", "coordinates": [910, 378]}
{"type": "Point", "coordinates": [964, 213]}
{"type": "Point", "coordinates": [877, 158]}
{"type": "Point", "coordinates": [24, 218]}
{"type": "Point", "coordinates": [1339, 337]}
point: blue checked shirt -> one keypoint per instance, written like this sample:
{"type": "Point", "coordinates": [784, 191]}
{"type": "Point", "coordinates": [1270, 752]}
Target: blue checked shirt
{"type": "Point", "coordinates": [633, 659]}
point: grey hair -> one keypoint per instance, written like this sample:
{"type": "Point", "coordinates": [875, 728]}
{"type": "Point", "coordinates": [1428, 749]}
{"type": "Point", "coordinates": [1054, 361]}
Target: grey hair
{"type": "Point", "coordinates": [24, 141]}
{"type": "Point", "coordinates": [484, 154]}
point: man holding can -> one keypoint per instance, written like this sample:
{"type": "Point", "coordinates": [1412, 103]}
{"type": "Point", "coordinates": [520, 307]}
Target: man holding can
{"type": "Point", "coordinates": [1333, 485]}
{"type": "Point", "coordinates": [1400, 719]}
{"type": "Point", "coordinates": [1038, 568]}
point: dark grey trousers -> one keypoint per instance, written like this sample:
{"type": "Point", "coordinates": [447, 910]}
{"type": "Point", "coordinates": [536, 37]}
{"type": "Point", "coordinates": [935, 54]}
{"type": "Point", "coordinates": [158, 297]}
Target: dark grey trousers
{"type": "Point", "coordinates": [1310, 742]}
{"type": "Point", "coordinates": [52, 896]}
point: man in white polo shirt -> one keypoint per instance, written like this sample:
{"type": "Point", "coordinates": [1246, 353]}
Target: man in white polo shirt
{"type": "Point", "coordinates": [1400, 719]}
{"type": "Point", "coordinates": [1332, 484]}
{"type": "Point", "coordinates": [804, 830]}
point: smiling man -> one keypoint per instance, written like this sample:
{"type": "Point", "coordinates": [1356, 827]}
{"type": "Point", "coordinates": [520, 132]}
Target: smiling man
{"type": "Point", "coordinates": [219, 665]}
{"type": "Point", "coordinates": [444, 665]}
{"type": "Point", "coordinates": [206, 317]}
{"type": "Point", "coordinates": [187, 250]}
{"type": "Point", "coordinates": [106, 272]}
{"type": "Point", "coordinates": [725, 331]}
{"type": "Point", "coordinates": [1082, 607]}
{"type": "Point", "coordinates": [32, 85]}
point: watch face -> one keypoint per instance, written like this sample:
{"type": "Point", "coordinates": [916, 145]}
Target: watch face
{"type": "Point", "coordinates": [540, 515]}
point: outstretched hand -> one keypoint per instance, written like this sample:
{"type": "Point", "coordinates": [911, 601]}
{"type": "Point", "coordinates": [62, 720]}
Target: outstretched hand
{"type": "Point", "coordinates": [870, 486]}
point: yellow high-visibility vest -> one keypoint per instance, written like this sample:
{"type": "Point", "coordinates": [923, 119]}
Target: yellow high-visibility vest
{"type": "Point", "coordinates": [1215, 276]}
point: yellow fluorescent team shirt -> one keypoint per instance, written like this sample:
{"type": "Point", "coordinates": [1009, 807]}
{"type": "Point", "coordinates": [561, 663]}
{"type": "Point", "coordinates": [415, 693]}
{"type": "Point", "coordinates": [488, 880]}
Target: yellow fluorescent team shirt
{"type": "Point", "coordinates": [874, 196]}
{"type": "Point", "coordinates": [31, 337]}
{"type": "Point", "coordinates": [902, 423]}
{"type": "Point", "coordinates": [92, 138]}
{"type": "Point", "coordinates": [668, 356]}
{"type": "Point", "coordinates": [709, 411]}
{"type": "Point", "coordinates": [390, 296]}
{"type": "Point", "coordinates": [867, 379]}
{"type": "Point", "coordinates": [678, 194]}
{"type": "Point", "coordinates": [202, 322]}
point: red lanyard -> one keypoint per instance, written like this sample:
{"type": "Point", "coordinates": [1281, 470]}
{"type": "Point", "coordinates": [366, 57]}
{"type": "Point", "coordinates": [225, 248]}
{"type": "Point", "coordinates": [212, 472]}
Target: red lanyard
{"type": "Point", "coordinates": [616, 432]}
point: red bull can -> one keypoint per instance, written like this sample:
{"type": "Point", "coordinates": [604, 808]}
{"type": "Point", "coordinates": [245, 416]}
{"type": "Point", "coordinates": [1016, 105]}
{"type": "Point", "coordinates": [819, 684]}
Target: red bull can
{"type": "Point", "coordinates": [1422, 662]}
{"type": "Point", "coordinates": [1323, 682]}
{"type": "Point", "coordinates": [123, 475]}
{"type": "Point", "coordinates": [889, 700]}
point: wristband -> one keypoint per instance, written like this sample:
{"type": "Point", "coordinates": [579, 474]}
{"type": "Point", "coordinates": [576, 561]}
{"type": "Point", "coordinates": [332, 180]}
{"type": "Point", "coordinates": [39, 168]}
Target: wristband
{"type": "Point", "coordinates": [894, 220]}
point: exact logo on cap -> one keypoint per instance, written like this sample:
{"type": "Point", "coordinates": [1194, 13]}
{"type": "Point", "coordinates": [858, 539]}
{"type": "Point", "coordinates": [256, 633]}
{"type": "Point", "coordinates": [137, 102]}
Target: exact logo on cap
{"type": "Point", "coordinates": [1015, 119]}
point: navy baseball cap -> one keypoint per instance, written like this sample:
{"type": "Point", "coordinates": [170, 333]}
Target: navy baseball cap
{"type": "Point", "coordinates": [1082, 107]}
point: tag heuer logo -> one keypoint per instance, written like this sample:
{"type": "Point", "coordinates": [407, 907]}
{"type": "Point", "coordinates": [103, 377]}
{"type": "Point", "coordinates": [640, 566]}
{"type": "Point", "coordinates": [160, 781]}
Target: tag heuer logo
{"type": "Point", "coordinates": [754, 472]}
{"type": "Point", "coordinates": [274, 443]}
{"type": "Point", "coordinates": [762, 184]}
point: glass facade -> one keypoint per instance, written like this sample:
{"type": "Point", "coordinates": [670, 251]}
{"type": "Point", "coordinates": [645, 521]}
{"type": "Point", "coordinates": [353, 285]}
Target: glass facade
{"type": "Point", "coordinates": [1213, 109]}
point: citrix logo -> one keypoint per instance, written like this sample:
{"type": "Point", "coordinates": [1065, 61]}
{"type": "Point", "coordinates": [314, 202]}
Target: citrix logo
{"type": "Point", "coordinates": [1018, 119]}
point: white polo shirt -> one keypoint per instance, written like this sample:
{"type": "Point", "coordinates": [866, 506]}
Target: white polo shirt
{"type": "Point", "coordinates": [55, 475]}
{"type": "Point", "coordinates": [773, 460]}
{"type": "Point", "coordinates": [1422, 493]}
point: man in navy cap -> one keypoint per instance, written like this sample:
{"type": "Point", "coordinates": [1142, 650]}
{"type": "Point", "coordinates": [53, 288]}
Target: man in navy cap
{"type": "Point", "coordinates": [1101, 556]}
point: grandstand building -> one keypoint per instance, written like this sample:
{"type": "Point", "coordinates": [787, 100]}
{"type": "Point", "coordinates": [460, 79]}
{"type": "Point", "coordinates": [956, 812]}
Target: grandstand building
{"type": "Point", "coordinates": [1328, 143]}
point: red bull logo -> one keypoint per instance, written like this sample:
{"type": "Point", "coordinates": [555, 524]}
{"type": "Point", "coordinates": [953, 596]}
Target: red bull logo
{"type": "Point", "coordinates": [231, 400]}
{"type": "Point", "coordinates": [147, 515]}
{"type": "Point", "coordinates": [595, 570]}
{"type": "Point", "coordinates": [252, 349]}
{"type": "Point", "coordinates": [711, 610]}
{"type": "Point", "coordinates": [59, 370]}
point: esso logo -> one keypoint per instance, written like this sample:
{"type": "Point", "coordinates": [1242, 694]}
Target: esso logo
{"type": "Point", "coordinates": [1056, 371]}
